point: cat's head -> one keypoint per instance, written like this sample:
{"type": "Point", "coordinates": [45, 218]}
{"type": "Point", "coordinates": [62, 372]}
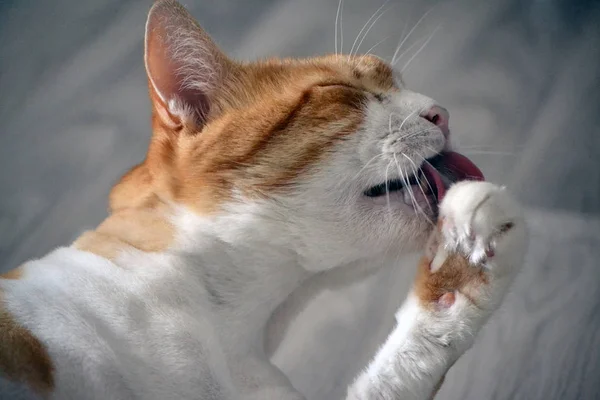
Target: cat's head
{"type": "Point", "coordinates": [326, 154]}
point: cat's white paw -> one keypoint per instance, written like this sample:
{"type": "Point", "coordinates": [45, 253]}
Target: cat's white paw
{"type": "Point", "coordinates": [477, 248]}
{"type": "Point", "coordinates": [483, 222]}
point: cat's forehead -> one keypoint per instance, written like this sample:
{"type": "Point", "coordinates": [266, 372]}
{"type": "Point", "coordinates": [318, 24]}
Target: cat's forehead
{"type": "Point", "coordinates": [372, 69]}
{"type": "Point", "coordinates": [366, 72]}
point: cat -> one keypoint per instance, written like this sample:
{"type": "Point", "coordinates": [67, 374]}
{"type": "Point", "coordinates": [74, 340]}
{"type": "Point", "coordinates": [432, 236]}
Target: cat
{"type": "Point", "coordinates": [258, 176]}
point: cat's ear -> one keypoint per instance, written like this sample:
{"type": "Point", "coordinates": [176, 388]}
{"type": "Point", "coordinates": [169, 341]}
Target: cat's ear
{"type": "Point", "coordinates": [184, 66]}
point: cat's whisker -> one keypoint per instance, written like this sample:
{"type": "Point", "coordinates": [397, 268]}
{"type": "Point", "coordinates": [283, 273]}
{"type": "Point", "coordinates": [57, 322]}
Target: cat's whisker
{"type": "Point", "coordinates": [342, 29]}
{"type": "Point", "coordinates": [365, 27]}
{"type": "Point", "coordinates": [427, 179]}
{"type": "Point", "coordinates": [420, 49]}
{"type": "Point", "coordinates": [387, 192]}
{"type": "Point", "coordinates": [432, 149]}
{"type": "Point", "coordinates": [338, 19]}
{"type": "Point", "coordinates": [406, 119]}
{"type": "Point", "coordinates": [406, 183]}
{"type": "Point", "coordinates": [420, 156]}
{"type": "Point", "coordinates": [421, 167]}
{"type": "Point", "coordinates": [493, 153]}
{"type": "Point", "coordinates": [407, 186]}
{"type": "Point", "coordinates": [408, 35]}
{"type": "Point", "coordinates": [369, 29]}
{"type": "Point", "coordinates": [488, 147]}
{"type": "Point", "coordinates": [413, 134]}
{"type": "Point", "coordinates": [410, 135]}
{"type": "Point", "coordinates": [390, 131]}
{"type": "Point", "coordinates": [360, 60]}
{"type": "Point", "coordinates": [415, 172]}
{"type": "Point", "coordinates": [429, 221]}
{"type": "Point", "coordinates": [409, 189]}
{"type": "Point", "coordinates": [428, 163]}
{"type": "Point", "coordinates": [409, 48]}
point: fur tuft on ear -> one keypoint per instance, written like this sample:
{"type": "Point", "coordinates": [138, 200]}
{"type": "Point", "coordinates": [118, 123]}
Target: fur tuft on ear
{"type": "Point", "coordinates": [184, 66]}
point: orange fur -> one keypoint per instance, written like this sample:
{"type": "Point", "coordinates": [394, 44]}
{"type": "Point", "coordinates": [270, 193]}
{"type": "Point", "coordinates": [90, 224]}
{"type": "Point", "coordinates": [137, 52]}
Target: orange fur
{"type": "Point", "coordinates": [22, 357]}
{"type": "Point", "coordinates": [271, 124]}
{"type": "Point", "coordinates": [273, 121]}
{"type": "Point", "coordinates": [455, 274]}
{"type": "Point", "coordinates": [144, 229]}
{"type": "Point", "coordinates": [16, 273]}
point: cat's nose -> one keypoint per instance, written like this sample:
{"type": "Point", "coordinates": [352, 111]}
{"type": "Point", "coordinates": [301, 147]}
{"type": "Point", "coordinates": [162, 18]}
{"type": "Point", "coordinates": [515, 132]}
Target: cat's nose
{"type": "Point", "coordinates": [439, 116]}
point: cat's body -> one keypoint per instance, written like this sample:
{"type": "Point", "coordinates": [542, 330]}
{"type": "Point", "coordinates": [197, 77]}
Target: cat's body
{"type": "Point", "coordinates": [150, 326]}
{"type": "Point", "coordinates": [258, 176]}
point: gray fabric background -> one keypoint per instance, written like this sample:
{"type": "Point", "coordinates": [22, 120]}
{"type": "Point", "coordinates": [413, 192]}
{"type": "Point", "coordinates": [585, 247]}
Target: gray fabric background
{"type": "Point", "coordinates": [520, 79]}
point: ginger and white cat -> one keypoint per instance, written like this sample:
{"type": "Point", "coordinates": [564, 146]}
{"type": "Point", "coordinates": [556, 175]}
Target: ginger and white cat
{"type": "Point", "coordinates": [258, 176]}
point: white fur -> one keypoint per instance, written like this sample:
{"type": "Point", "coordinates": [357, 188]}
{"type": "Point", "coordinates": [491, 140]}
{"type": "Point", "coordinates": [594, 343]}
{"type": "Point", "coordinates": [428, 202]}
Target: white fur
{"type": "Point", "coordinates": [188, 323]}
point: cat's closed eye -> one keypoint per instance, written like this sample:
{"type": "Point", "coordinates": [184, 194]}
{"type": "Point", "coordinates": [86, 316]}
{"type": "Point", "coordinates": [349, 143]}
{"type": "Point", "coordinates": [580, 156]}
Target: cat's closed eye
{"type": "Point", "coordinates": [376, 95]}
{"type": "Point", "coordinates": [380, 97]}
{"type": "Point", "coordinates": [339, 84]}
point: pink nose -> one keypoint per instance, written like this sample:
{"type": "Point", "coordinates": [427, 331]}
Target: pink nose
{"type": "Point", "coordinates": [438, 116]}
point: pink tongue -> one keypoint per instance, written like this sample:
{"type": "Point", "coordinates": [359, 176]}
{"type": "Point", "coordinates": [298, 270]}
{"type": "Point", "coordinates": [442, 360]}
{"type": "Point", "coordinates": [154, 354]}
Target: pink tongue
{"type": "Point", "coordinates": [461, 167]}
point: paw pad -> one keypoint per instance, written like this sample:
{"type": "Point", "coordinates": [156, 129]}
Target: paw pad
{"type": "Point", "coordinates": [447, 300]}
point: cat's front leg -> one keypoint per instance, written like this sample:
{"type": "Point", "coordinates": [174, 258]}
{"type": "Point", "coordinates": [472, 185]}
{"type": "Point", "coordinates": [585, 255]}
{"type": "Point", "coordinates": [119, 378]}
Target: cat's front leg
{"type": "Point", "coordinates": [469, 264]}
